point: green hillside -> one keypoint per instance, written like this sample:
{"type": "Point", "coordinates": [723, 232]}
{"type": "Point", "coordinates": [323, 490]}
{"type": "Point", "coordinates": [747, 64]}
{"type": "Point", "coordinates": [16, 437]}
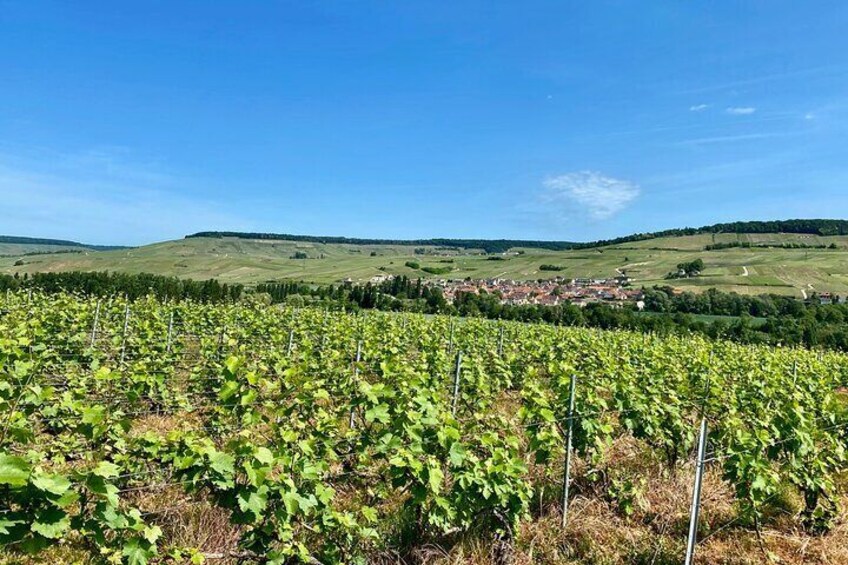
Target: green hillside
{"type": "Point", "coordinates": [746, 270]}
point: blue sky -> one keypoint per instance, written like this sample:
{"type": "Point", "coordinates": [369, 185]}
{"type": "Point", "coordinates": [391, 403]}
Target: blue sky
{"type": "Point", "coordinates": [131, 122]}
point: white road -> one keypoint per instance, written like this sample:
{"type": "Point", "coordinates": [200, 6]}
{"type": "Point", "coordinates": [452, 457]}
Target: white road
{"type": "Point", "coordinates": [804, 292]}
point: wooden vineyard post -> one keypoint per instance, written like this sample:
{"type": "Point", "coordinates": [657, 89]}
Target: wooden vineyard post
{"type": "Point", "coordinates": [456, 378]}
{"type": "Point", "coordinates": [696, 494]}
{"type": "Point", "coordinates": [351, 422]}
{"type": "Point", "coordinates": [566, 475]}
{"type": "Point", "coordinates": [291, 343]}
{"type": "Point", "coordinates": [450, 337]}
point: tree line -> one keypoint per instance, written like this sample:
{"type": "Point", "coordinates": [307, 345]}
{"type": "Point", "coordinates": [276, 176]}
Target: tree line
{"type": "Point", "coordinates": [788, 321]}
{"type": "Point", "coordinates": [131, 285]}
{"type": "Point", "coordinates": [812, 227]}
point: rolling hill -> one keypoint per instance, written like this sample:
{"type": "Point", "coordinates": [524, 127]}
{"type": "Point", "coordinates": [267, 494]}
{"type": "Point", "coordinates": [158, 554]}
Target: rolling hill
{"type": "Point", "coordinates": [770, 265]}
{"type": "Point", "coordinates": [18, 246]}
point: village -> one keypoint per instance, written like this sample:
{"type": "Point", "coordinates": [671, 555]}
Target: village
{"type": "Point", "coordinates": [580, 292]}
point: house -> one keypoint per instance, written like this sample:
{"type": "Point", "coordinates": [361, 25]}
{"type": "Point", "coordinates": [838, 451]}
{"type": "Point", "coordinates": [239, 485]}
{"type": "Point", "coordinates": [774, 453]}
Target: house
{"type": "Point", "coordinates": [826, 298]}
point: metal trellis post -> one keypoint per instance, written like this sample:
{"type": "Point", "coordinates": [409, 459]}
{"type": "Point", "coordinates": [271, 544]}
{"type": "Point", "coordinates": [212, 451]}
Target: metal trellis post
{"type": "Point", "coordinates": [500, 342]}
{"type": "Point", "coordinates": [456, 377]}
{"type": "Point", "coordinates": [352, 423]}
{"type": "Point", "coordinates": [170, 331]}
{"type": "Point", "coordinates": [94, 325]}
{"type": "Point", "coordinates": [566, 476]}
{"type": "Point", "coordinates": [696, 494]}
{"type": "Point", "coordinates": [124, 336]}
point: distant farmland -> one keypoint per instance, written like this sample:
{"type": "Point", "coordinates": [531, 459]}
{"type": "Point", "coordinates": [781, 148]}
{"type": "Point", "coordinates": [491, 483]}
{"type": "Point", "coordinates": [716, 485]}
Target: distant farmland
{"type": "Point", "coordinates": [753, 270]}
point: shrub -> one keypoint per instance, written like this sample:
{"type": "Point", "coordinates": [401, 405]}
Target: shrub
{"type": "Point", "coordinates": [437, 270]}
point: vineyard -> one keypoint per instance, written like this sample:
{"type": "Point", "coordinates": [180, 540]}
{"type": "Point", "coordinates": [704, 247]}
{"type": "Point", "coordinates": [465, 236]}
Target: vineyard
{"type": "Point", "coordinates": [286, 435]}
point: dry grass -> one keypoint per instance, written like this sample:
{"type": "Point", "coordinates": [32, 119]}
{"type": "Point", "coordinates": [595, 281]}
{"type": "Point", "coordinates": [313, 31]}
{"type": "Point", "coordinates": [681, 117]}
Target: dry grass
{"type": "Point", "coordinates": [188, 522]}
{"type": "Point", "coordinates": [598, 532]}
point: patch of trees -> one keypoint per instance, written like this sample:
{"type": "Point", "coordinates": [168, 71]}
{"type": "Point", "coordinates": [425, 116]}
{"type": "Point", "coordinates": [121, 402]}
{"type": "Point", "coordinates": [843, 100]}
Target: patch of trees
{"type": "Point", "coordinates": [413, 264]}
{"type": "Point", "coordinates": [396, 294]}
{"type": "Point", "coordinates": [666, 300]}
{"type": "Point", "coordinates": [437, 270]}
{"type": "Point", "coordinates": [687, 269]}
{"type": "Point", "coordinates": [130, 285]}
{"type": "Point", "coordinates": [300, 255]}
{"type": "Point", "coordinates": [547, 267]}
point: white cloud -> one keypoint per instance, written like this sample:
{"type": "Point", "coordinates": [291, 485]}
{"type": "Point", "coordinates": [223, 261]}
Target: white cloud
{"type": "Point", "coordinates": [598, 195]}
{"type": "Point", "coordinates": [741, 110]}
{"type": "Point", "coordinates": [809, 116]}
{"type": "Point", "coordinates": [698, 107]}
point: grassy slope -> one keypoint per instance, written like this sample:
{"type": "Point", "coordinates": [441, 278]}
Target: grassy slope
{"type": "Point", "coordinates": [783, 271]}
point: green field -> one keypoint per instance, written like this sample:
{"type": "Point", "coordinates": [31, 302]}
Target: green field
{"type": "Point", "coordinates": [748, 271]}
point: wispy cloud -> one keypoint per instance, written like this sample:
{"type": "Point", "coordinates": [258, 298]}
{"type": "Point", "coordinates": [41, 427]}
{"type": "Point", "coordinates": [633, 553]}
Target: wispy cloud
{"type": "Point", "coordinates": [732, 138]}
{"type": "Point", "coordinates": [740, 110]}
{"type": "Point", "coordinates": [592, 192]}
{"type": "Point", "coordinates": [812, 72]}
{"type": "Point", "coordinates": [698, 107]}
{"type": "Point", "coordinates": [101, 196]}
